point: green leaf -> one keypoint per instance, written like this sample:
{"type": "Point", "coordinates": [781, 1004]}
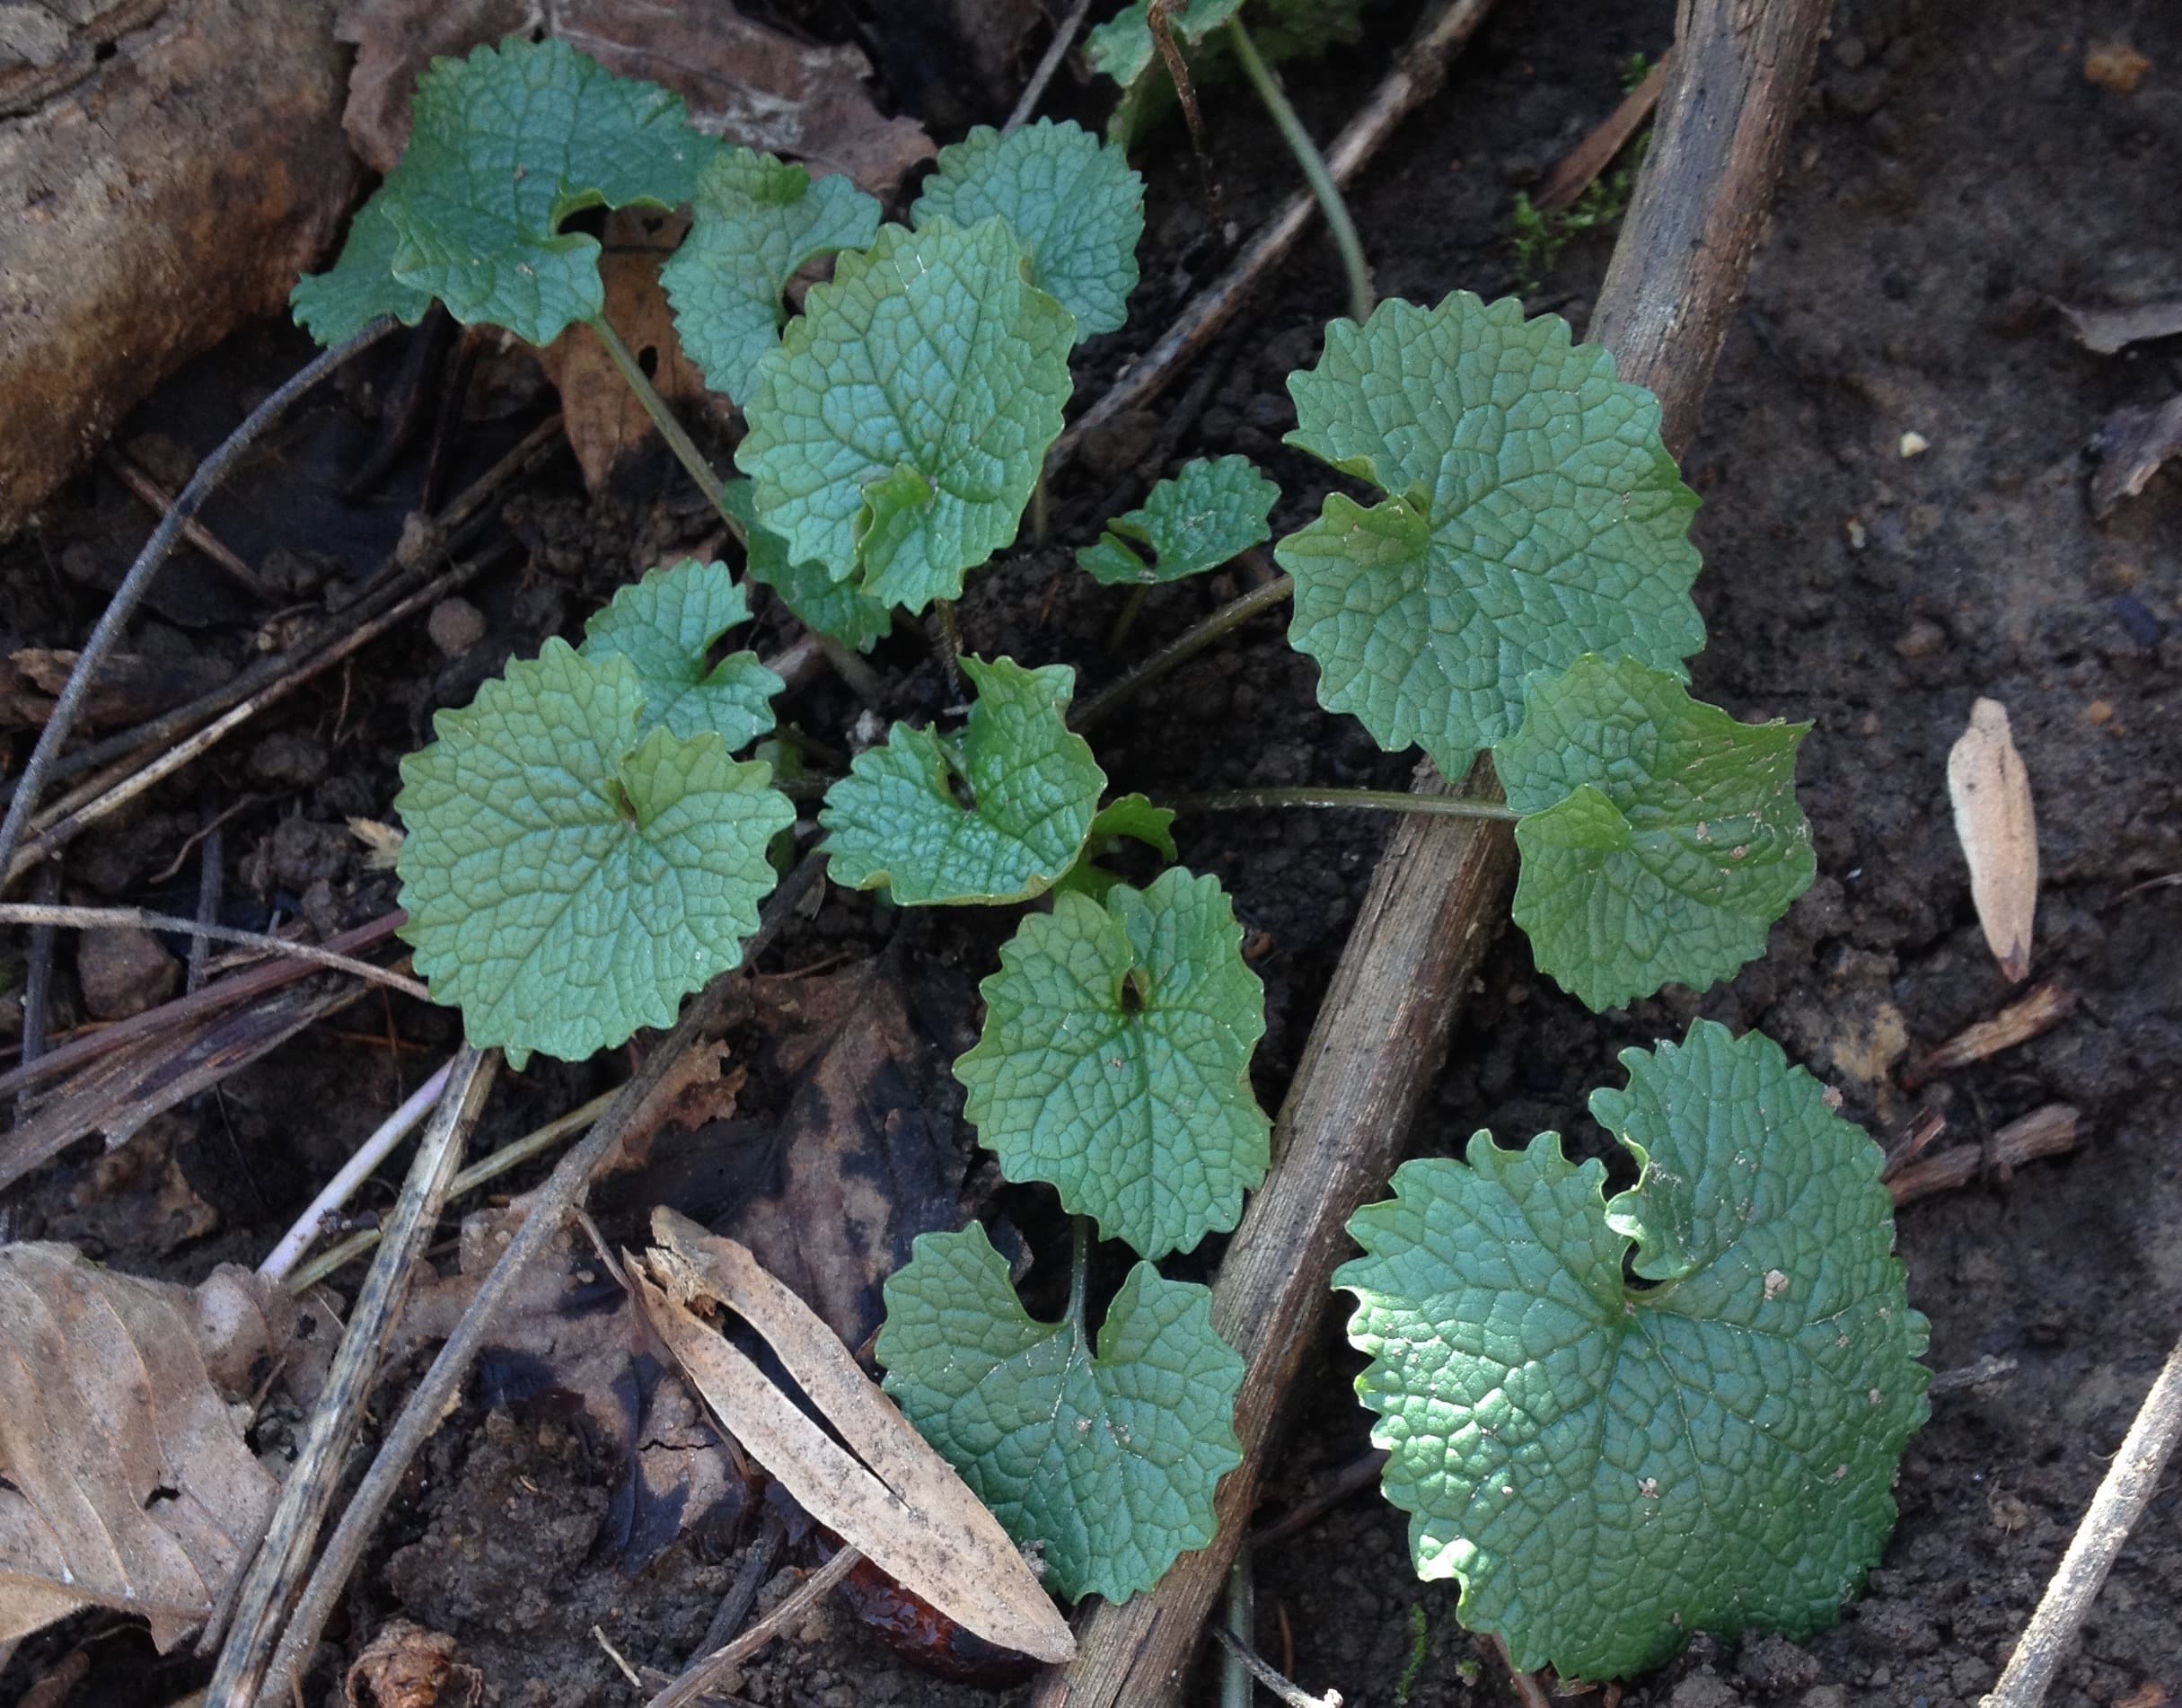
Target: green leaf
{"type": "Point", "coordinates": [1610, 1467]}
{"type": "Point", "coordinates": [899, 426]}
{"type": "Point", "coordinates": [504, 146]}
{"type": "Point", "coordinates": [1122, 49]}
{"type": "Point", "coordinates": [1132, 817]}
{"type": "Point", "coordinates": [756, 221]}
{"type": "Point", "coordinates": [895, 819]}
{"type": "Point", "coordinates": [1072, 202]}
{"type": "Point", "coordinates": [566, 883]}
{"type": "Point", "coordinates": [1114, 1062]}
{"type": "Point", "coordinates": [1532, 515]}
{"type": "Point", "coordinates": [1203, 516]}
{"type": "Point", "coordinates": [1660, 839]}
{"type": "Point", "coordinates": [1108, 1462]}
{"type": "Point", "coordinates": [335, 305]}
{"type": "Point", "coordinates": [1283, 30]}
{"type": "Point", "coordinates": [829, 607]}
{"type": "Point", "coordinates": [664, 625]}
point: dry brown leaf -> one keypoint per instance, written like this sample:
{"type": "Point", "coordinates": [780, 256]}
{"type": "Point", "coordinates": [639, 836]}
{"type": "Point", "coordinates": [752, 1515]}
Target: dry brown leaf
{"type": "Point", "coordinates": [405, 1666]}
{"type": "Point", "coordinates": [599, 412]}
{"type": "Point", "coordinates": [895, 1500]}
{"type": "Point", "coordinates": [1999, 833]}
{"type": "Point", "coordinates": [126, 1481]}
{"type": "Point", "coordinates": [740, 80]}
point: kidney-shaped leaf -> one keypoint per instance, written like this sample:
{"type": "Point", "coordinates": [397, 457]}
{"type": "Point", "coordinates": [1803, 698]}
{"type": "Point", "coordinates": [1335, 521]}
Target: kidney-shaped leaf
{"type": "Point", "coordinates": [1531, 515]}
{"type": "Point", "coordinates": [664, 625]}
{"type": "Point", "coordinates": [567, 883]}
{"type": "Point", "coordinates": [1208, 512]}
{"type": "Point", "coordinates": [1608, 1467]}
{"type": "Point", "coordinates": [1109, 1462]}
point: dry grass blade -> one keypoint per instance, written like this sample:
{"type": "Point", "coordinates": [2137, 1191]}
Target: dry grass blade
{"type": "Point", "coordinates": [903, 1507]}
{"type": "Point", "coordinates": [1999, 833]}
{"type": "Point", "coordinates": [128, 1484]}
{"type": "Point", "coordinates": [1591, 156]}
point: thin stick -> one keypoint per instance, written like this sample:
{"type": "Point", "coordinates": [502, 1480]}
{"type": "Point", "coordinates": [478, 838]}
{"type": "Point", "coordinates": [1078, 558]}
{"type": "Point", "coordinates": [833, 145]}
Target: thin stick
{"type": "Point", "coordinates": [671, 430]}
{"type": "Point", "coordinates": [159, 501]}
{"type": "Point", "coordinates": [1235, 1674]}
{"type": "Point", "coordinates": [123, 605]}
{"type": "Point", "coordinates": [369, 1155]}
{"type": "Point", "coordinates": [2045, 1131]}
{"type": "Point", "coordinates": [693, 1683]}
{"type": "Point", "coordinates": [1294, 1694]}
{"type": "Point", "coordinates": [209, 863]}
{"type": "Point", "coordinates": [2122, 1495]}
{"type": "Point", "coordinates": [37, 986]}
{"type": "Point", "coordinates": [1419, 70]}
{"type": "Point", "coordinates": [315, 1477]}
{"type": "Point", "coordinates": [98, 918]}
{"type": "Point", "coordinates": [488, 1169]}
{"type": "Point", "coordinates": [1364, 800]}
{"type": "Point", "coordinates": [1056, 50]}
{"type": "Point", "coordinates": [1315, 173]}
{"type": "Point", "coordinates": [1181, 649]}
{"type": "Point", "coordinates": [429, 1401]}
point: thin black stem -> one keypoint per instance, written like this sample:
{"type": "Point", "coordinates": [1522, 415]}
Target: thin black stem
{"type": "Point", "coordinates": [1365, 800]}
{"type": "Point", "coordinates": [1313, 164]}
{"type": "Point", "coordinates": [1181, 649]}
{"type": "Point", "coordinates": [677, 437]}
{"type": "Point", "coordinates": [209, 473]}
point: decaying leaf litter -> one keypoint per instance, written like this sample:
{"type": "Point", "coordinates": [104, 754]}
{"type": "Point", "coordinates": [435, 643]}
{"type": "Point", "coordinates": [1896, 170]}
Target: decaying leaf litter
{"type": "Point", "coordinates": [1861, 1036]}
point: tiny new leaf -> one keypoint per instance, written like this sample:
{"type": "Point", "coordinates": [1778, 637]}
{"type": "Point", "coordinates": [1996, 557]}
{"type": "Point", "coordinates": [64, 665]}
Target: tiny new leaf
{"type": "Point", "coordinates": [1115, 1062]}
{"type": "Point", "coordinates": [896, 819]}
{"type": "Point", "coordinates": [755, 222]}
{"type": "Point", "coordinates": [1109, 1462]}
{"type": "Point", "coordinates": [899, 427]}
{"type": "Point", "coordinates": [1204, 515]}
{"type": "Point", "coordinates": [504, 146]}
{"type": "Point", "coordinates": [1531, 515]}
{"type": "Point", "coordinates": [1132, 818]}
{"type": "Point", "coordinates": [664, 625]}
{"type": "Point", "coordinates": [1660, 839]}
{"type": "Point", "coordinates": [566, 879]}
{"type": "Point", "coordinates": [839, 609]}
{"type": "Point", "coordinates": [1072, 202]}
{"type": "Point", "coordinates": [1608, 1468]}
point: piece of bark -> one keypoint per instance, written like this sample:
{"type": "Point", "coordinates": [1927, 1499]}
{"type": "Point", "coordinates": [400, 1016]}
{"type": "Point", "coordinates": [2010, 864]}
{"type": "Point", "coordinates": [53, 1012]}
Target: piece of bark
{"type": "Point", "coordinates": [2047, 1132]}
{"type": "Point", "coordinates": [131, 688]}
{"type": "Point", "coordinates": [170, 193]}
{"type": "Point", "coordinates": [1435, 900]}
{"type": "Point", "coordinates": [2134, 443]}
{"type": "Point", "coordinates": [2038, 1013]}
{"type": "Point", "coordinates": [2110, 330]}
{"type": "Point", "coordinates": [1990, 788]}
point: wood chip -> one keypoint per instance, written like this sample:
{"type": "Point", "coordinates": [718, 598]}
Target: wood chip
{"type": "Point", "coordinates": [2036, 1013]}
{"type": "Point", "coordinates": [902, 1506]}
{"type": "Point", "coordinates": [1999, 833]}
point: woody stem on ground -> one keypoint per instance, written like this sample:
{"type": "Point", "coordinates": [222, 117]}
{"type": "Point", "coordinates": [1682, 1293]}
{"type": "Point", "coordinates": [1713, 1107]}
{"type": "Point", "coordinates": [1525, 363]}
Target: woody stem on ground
{"type": "Point", "coordinates": [1181, 649]}
{"type": "Point", "coordinates": [1365, 800]}
{"type": "Point", "coordinates": [1313, 164]}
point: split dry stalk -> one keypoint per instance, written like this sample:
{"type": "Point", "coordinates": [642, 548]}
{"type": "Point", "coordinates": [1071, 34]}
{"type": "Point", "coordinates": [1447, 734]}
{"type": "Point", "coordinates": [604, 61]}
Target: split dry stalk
{"type": "Point", "coordinates": [1435, 900]}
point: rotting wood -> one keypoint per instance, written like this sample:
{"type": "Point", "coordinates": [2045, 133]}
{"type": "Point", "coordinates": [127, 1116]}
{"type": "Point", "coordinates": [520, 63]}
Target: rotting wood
{"type": "Point", "coordinates": [2049, 1131]}
{"type": "Point", "coordinates": [1435, 900]}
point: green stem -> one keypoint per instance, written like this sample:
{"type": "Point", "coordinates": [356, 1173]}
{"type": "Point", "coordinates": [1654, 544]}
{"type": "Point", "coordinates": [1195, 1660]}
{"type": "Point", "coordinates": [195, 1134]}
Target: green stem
{"type": "Point", "coordinates": [1127, 621]}
{"type": "Point", "coordinates": [1182, 648]}
{"type": "Point", "coordinates": [947, 642]}
{"type": "Point", "coordinates": [1236, 1686]}
{"type": "Point", "coordinates": [1079, 1278]}
{"type": "Point", "coordinates": [1040, 521]}
{"type": "Point", "coordinates": [1314, 170]}
{"type": "Point", "coordinates": [670, 429]}
{"type": "Point", "coordinates": [1368, 800]}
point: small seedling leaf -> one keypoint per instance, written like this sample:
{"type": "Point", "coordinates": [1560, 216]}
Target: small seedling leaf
{"type": "Point", "coordinates": [1989, 789]}
{"type": "Point", "coordinates": [1108, 1462]}
{"type": "Point", "coordinates": [567, 882]}
{"type": "Point", "coordinates": [1072, 202]}
{"type": "Point", "coordinates": [755, 222]}
{"type": "Point", "coordinates": [1032, 787]}
{"type": "Point", "coordinates": [1660, 839]}
{"type": "Point", "coordinates": [1196, 521]}
{"type": "Point", "coordinates": [504, 146]}
{"type": "Point", "coordinates": [335, 305]}
{"type": "Point", "coordinates": [1532, 515]}
{"type": "Point", "coordinates": [839, 609]}
{"type": "Point", "coordinates": [1122, 49]}
{"type": "Point", "coordinates": [1608, 1468]}
{"type": "Point", "coordinates": [1132, 817]}
{"type": "Point", "coordinates": [1115, 1062]}
{"type": "Point", "coordinates": [897, 430]}
{"type": "Point", "coordinates": [664, 625]}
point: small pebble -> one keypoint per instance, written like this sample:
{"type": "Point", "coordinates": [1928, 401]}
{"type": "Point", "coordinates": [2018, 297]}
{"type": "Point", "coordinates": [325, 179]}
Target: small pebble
{"type": "Point", "coordinates": [1858, 539]}
{"type": "Point", "coordinates": [123, 971]}
{"type": "Point", "coordinates": [1923, 639]}
{"type": "Point", "coordinates": [1913, 444]}
{"type": "Point", "coordinates": [455, 626]}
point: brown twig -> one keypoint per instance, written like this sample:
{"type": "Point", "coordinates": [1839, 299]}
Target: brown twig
{"type": "Point", "coordinates": [158, 500]}
{"type": "Point", "coordinates": [428, 1403]}
{"type": "Point", "coordinates": [308, 1492]}
{"type": "Point", "coordinates": [1056, 50]}
{"type": "Point", "coordinates": [1419, 70]}
{"type": "Point", "coordinates": [1529, 1688]}
{"type": "Point", "coordinates": [2038, 1012]}
{"type": "Point", "coordinates": [2122, 1495]}
{"type": "Point", "coordinates": [1294, 1694]}
{"type": "Point", "coordinates": [1591, 156]}
{"type": "Point", "coordinates": [2048, 1131]}
{"type": "Point", "coordinates": [101, 918]}
{"type": "Point", "coordinates": [1361, 1473]}
{"type": "Point", "coordinates": [693, 1683]}
{"type": "Point", "coordinates": [1435, 900]}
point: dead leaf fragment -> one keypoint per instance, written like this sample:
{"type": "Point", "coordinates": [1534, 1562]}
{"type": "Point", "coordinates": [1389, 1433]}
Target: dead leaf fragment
{"type": "Point", "coordinates": [895, 1500]}
{"type": "Point", "coordinates": [2133, 443]}
{"type": "Point", "coordinates": [1990, 788]}
{"type": "Point", "coordinates": [2115, 67]}
{"type": "Point", "coordinates": [2108, 332]}
{"type": "Point", "coordinates": [126, 1481]}
{"type": "Point", "coordinates": [405, 1666]}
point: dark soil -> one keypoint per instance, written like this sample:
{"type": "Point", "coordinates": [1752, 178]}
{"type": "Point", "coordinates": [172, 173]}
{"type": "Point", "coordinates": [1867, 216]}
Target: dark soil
{"type": "Point", "coordinates": [1955, 178]}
